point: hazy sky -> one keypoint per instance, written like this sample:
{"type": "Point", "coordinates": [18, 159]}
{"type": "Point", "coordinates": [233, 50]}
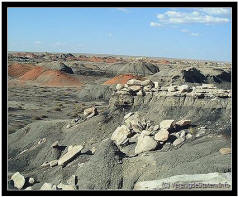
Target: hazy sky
{"type": "Point", "coordinates": [197, 33]}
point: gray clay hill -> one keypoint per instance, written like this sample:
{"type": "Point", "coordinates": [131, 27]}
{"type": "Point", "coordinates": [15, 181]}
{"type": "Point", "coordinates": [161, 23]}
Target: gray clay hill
{"type": "Point", "coordinates": [87, 122]}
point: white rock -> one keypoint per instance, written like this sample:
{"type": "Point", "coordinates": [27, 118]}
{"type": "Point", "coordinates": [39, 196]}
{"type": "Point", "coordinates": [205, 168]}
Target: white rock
{"type": "Point", "coordinates": [156, 128]}
{"type": "Point", "coordinates": [147, 82]}
{"type": "Point", "coordinates": [119, 86]}
{"type": "Point", "coordinates": [183, 123]}
{"type": "Point", "coordinates": [68, 126]}
{"type": "Point", "coordinates": [41, 141]}
{"type": "Point", "coordinates": [53, 163]}
{"type": "Point", "coordinates": [188, 136]}
{"type": "Point", "coordinates": [135, 88]}
{"type": "Point", "coordinates": [70, 148]}
{"type": "Point", "coordinates": [66, 187]}
{"type": "Point", "coordinates": [172, 89]}
{"type": "Point", "coordinates": [90, 111]}
{"type": "Point", "coordinates": [55, 144]}
{"type": "Point", "coordinates": [200, 133]}
{"type": "Point", "coordinates": [19, 180]}
{"type": "Point", "coordinates": [72, 180]}
{"type": "Point", "coordinates": [178, 141]}
{"type": "Point", "coordinates": [182, 134]}
{"type": "Point", "coordinates": [48, 186]}
{"type": "Point", "coordinates": [146, 132]}
{"type": "Point", "coordinates": [140, 93]}
{"type": "Point", "coordinates": [93, 150]}
{"type": "Point", "coordinates": [147, 88]}
{"type": "Point", "coordinates": [208, 86]}
{"type": "Point", "coordinates": [167, 124]}
{"type": "Point", "coordinates": [31, 180]}
{"type": "Point", "coordinates": [145, 143]}
{"type": "Point", "coordinates": [133, 82]}
{"type": "Point", "coordinates": [46, 163]}
{"type": "Point", "coordinates": [70, 155]}
{"type": "Point", "coordinates": [184, 88]}
{"type": "Point", "coordinates": [28, 188]}
{"type": "Point", "coordinates": [120, 135]}
{"type": "Point", "coordinates": [156, 85]}
{"type": "Point", "coordinates": [162, 135]}
{"type": "Point", "coordinates": [128, 115]}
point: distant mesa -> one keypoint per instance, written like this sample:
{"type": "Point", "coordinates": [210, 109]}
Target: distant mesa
{"type": "Point", "coordinates": [136, 67]}
{"type": "Point", "coordinates": [57, 66]}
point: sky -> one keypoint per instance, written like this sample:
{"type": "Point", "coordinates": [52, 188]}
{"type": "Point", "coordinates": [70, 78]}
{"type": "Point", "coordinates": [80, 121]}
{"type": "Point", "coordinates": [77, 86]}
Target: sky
{"type": "Point", "coordinates": [192, 33]}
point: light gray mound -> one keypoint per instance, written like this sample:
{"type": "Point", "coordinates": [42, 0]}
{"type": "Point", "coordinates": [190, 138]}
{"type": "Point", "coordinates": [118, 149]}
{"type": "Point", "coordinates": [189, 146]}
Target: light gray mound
{"type": "Point", "coordinates": [96, 92]}
{"type": "Point", "coordinates": [137, 68]}
{"type": "Point", "coordinates": [57, 66]}
{"type": "Point", "coordinates": [102, 171]}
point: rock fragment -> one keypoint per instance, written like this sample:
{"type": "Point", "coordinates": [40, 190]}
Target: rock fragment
{"type": "Point", "coordinates": [167, 124]}
{"type": "Point", "coordinates": [53, 163]}
{"type": "Point", "coordinates": [120, 135]}
{"type": "Point", "coordinates": [48, 186]}
{"type": "Point", "coordinates": [145, 143]}
{"type": "Point", "coordinates": [162, 135]}
{"type": "Point", "coordinates": [31, 180]}
{"type": "Point", "coordinates": [75, 150]}
{"type": "Point", "coordinates": [183, 123]}
{"type": "Point", "coordinates": [225, 151]}
{"type": "Point", "coordinates": [19, 180]}
{"type": "Point", "coordinates": [178, 141]}
{"type": "Point", "coordinates": [66, 187]}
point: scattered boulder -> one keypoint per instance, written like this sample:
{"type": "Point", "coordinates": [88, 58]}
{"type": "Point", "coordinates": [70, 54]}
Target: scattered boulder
{"type": "Point", "coordinates": [128, 115]}
{"type": "Point", "coordinates": [48, 186]}
{"type": "Point", "coordinates": [178, 141]}
{"type": "Point", "coordinates": [172, 89]}
{"type": "Point", "coordinates": [119, 86]}
{"type": "Point", "coordinates": [189, 136]}
{"type": "Point", "coordinates": [72, 180]}
{"type": "Point", "coordinates": [31, 180]}
{"type": "Point", "coordinates": [156, 128]}
{"type": "Point", "coordinates": [167, 124]}
{"type": "Point", "coordinates": [28, 188]}
{"type": "Point", "coordinates": [135, 88]}
{"type": "Point", "coordinates": [55, 144]}
{"type": "Point", "coordinates": [90, 112]}
{"type": "Point", "coordinates": [144, 144]}
{"type": "Point", "coordinates": [147, 83]}
{"type": "Point", "coordinates": [53, 163]}
{"type": "Point", "coordinates": [225, 151]}
{"type": "Point", "coordinates": [183, 88]}
{"type": "Point", "coordinates": [162, 135]}
{"type": "Point", "coordinates": [93, 150]}
{"type": "Point", "coordinates": [74, 151]}
{"type": "Point", "coordinates": [183, 123]}
{"type": "Point", "coordinates": [19, 180]}
{"type": "Point", "coordinates": [66, 187]}
{"type": "Point", "coordinates": [120, 135]}
{"type": "Point", "coordinates": [45, 164]}
{"type": "Point", "coordinates": [134, 82]}
{"type": "Point", "coordinates": [146, 132]}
